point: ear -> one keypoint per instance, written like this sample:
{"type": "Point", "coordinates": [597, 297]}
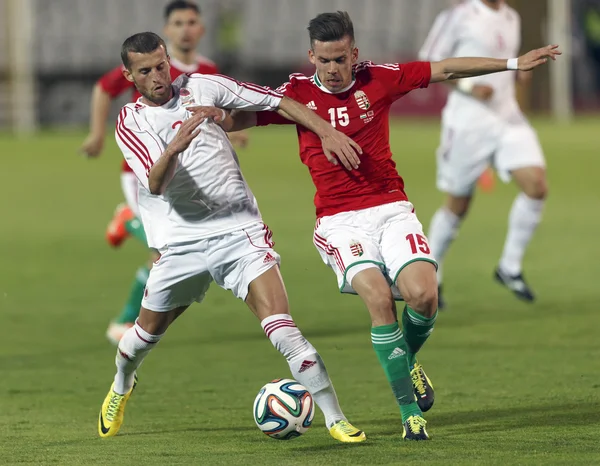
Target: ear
{"type": "Point", "coordinates": [354, 55]}
{"type": "Point", "coordinates": [127, 75]}
{"type": "Point", "coordinates": [311, 57]}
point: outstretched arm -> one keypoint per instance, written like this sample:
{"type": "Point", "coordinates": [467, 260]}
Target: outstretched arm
{"type": "Point", "coordinates": [456, 68]}
{"type": "Point", "coordinates": [333, 142]}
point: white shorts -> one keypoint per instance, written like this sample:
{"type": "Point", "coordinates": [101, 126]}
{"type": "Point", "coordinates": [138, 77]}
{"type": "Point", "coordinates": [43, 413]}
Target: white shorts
{"type": "Point", "coordinates": [464, 154]}
{"type": "Point", "coordinates": [184, 271]}
{"type": "Point", "coordinates": [388, 237]}
{"type": "Point", "coordinates": [129, 185]}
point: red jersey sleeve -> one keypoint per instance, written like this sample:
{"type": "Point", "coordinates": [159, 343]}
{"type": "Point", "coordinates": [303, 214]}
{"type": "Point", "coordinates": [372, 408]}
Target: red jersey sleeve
{"type": "Point", "coordinates": [274, 118]}
{"type": "Point", "coordinates": [114, 83]}
{"type": "Point", "coordinates": [400, 78]}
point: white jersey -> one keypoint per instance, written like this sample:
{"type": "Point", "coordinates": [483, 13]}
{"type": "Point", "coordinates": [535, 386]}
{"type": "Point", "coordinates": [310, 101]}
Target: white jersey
{"type": "Point", "coordinates": [208, 195]}
{"type": "Point", "coordinates": [472, 29]}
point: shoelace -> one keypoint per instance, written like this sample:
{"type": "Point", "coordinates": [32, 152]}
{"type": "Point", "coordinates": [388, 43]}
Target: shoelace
{"type": "Point", "coordinates": [345, 427]}
{"type": "Point", "coordinates": [415, 423]}
{"type": "Point", "coordinates": [113, 406]}
{"type": "Point", "coordinates": [418, 379]}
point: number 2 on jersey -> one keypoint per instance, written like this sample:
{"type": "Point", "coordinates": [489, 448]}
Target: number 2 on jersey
{"type": "Point", "coordinates": [418, 243]}
{"type": "Point", "coordinates": [339, 115]}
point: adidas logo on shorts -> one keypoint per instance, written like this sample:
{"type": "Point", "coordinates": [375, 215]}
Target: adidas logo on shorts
{"type": "Point", "coordinates": [397, 353]}
{"type": "Point", "coordinates": [268, 258]}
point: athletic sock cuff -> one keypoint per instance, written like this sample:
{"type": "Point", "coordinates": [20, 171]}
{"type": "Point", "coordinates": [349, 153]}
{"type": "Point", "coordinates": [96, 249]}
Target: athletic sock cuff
{"type": "Point", "coordinates": [417, 319]}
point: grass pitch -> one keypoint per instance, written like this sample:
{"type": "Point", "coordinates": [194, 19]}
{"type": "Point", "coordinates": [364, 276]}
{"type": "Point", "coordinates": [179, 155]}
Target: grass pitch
{"type": "Point", "coordinates": [515, 383]}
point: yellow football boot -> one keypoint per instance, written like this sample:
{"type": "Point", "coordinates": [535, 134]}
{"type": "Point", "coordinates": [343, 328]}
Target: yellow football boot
{"type": "Point", "coordinates": [346, 432]}
{"type": "Point", "coordinates": [423, 387]}
{"type": "Point", "coordinates": [113, 412]}
{"type": "Point", "coordinates": [414, 429]}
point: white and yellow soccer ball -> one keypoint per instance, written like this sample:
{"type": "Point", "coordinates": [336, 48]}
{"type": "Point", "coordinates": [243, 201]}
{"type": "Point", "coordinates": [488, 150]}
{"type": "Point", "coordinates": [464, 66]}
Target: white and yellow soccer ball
{"type": "Point", "coordinates": [283, 409]}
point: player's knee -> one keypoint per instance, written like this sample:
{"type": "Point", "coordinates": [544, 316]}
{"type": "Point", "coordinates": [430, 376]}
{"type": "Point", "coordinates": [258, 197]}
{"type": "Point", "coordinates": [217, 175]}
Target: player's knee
{"type": "Point", "coordinates": [537, 188]}
{"type": "Point", "coordinates": [459, 206]}
{"type": "Point", "coordinates": [422, 298]}
{"type": "Point", "coordinates": [381, 308]}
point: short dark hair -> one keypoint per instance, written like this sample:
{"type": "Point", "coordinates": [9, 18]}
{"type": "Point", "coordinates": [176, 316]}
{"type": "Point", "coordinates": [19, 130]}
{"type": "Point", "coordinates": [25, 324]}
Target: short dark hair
{"type": "Point", "coordinates": [180, 5]}
{"type": "Point", "coordinates": [142, 42]}
{"type": "Point", "coordinates": [330, 27]}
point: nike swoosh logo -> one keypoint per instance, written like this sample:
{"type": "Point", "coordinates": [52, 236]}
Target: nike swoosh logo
{"type": "Point", "coordinates": [103, 428]}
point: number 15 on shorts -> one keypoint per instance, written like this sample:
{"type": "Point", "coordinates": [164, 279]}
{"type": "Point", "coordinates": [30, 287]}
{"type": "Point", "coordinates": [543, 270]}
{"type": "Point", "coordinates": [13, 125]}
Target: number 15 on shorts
{"type": "Point", "coordinates": [418, 243]}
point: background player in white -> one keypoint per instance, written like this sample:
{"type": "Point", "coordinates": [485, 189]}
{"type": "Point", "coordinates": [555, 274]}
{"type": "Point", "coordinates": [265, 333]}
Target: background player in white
{"type": "Point", "coordinates": [201, 215]}
{"type": "Point", "coordinates": [482, 124]}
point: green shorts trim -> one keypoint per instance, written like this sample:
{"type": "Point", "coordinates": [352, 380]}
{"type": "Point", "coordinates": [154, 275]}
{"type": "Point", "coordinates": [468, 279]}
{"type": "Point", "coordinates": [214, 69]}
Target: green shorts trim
{"type": "Point", "coordinates": [424, 259]}
{"type": "Point", "coordinates": [344, 282]}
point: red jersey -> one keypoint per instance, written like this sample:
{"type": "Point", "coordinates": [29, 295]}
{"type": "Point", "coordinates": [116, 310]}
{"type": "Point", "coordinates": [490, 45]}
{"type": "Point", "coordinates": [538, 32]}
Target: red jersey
{"type": "Point", "coordinates": [361, 111]}
{"type": "Point", "coordinates": [114, 83]}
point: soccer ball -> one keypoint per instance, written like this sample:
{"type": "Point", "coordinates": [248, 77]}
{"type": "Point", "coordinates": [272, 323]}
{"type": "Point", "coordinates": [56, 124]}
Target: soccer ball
{"type": "Point", "coordinates": [283, 409]}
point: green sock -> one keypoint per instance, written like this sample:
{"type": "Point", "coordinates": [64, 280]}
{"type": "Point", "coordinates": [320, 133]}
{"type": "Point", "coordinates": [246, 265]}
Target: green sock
{"type": "Point", "coordinates": [390, 347]}
{"type": "Point", "coordinates": [132, 307]}
{"type": "Point", "coordinates": [135, 228]}
{"type": "Point", "coordinates": [416, 331]}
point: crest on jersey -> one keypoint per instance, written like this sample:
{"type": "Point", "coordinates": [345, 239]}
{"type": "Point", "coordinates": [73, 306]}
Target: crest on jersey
{"type": "Point", "coordinates": [356, 249]}
{"type": "Point", "coordinates": [186, 97]}
{"type": "Point", "coordinates": [362, 100]}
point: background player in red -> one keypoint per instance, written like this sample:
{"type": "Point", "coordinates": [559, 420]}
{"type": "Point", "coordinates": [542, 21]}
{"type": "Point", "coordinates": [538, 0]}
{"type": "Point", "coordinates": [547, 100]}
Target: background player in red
{"type": "Point", "coordinates": [183, 28]}
{"type": "Point", "coordinates": [366, 230]}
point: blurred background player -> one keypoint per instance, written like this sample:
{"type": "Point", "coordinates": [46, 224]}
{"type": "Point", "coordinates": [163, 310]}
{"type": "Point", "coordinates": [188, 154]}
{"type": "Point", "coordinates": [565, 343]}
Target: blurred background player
{"type": "Point", "coordinates": [483, 125]}
{"type": "Point", "coordinates": [183, 28]}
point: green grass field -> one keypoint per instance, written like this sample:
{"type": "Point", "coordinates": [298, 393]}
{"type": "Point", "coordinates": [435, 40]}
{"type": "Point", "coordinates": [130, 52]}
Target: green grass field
{"type": "Point", "coordinates": [516, 383]}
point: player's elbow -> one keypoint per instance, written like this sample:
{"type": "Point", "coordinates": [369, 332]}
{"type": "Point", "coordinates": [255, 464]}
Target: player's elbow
{"type": "Point", "coordinates": [155, 187]}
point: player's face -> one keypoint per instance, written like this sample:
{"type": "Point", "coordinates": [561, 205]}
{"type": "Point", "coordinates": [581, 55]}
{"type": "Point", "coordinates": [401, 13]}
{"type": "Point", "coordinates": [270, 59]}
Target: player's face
{"type": "Point", "coordinates": [150, 72]}
{"type": "Point", "coordinates": [184, 29]}
{"type": "Point", "coordinates": [334, 61]}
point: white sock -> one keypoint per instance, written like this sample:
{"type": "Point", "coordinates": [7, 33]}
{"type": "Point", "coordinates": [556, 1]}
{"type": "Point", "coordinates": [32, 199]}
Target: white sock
{"type": "Point", "coordinates": [442, 231]}
{"type": "Point", "coordinates": [133, 348]}
{"type": "Point", "coordinates": [525, 215]}
{"type": "Point", "coordinates": [305, 363]}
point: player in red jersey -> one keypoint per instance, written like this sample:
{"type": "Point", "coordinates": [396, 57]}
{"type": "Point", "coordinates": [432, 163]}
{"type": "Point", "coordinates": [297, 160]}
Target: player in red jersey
{"type": "Point", "coordinates": [366, 229]}
{"type": "Point", "coordinates": [184, 29]}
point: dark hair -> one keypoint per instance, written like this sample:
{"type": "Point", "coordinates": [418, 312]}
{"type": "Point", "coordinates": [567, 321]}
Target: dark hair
{"type": "Point", "coordinates": [180, 5]}
{"type": "Point", "coordinates": [329, 27]}
{"type": "Point", "coordinates": [142, 42]}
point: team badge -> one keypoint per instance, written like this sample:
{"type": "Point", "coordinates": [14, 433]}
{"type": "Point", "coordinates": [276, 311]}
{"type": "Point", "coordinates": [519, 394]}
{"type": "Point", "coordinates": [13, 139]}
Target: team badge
{"type": "Point", "coordinates": [186, 97]}
{"type": "Point", "coordinates": [356, 249]}
{"type": "Point", "coordinates": [362, 100]}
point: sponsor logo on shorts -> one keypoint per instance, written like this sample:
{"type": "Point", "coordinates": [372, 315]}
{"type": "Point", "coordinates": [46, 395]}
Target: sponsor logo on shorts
{"type": "Point", "coordinates": [356, 249]}
{"type": "Point", "coordinates": [268, 258]}
{"type": "Point", "coordinates": [146, 292]}
{"type": "Point", "coordinates": [306, 365]}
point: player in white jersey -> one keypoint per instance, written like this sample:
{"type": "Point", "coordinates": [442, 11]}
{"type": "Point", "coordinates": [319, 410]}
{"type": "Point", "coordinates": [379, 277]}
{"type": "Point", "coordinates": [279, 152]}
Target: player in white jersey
{"type": "Point", "coordinates": [483, 125]}
{"type": "Point", "coordinates": [200, 214]}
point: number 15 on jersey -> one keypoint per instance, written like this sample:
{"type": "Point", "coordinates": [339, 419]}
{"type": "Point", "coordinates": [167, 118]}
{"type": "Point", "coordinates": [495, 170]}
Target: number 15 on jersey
{"type": "Point", "coordinates": [339, 116]}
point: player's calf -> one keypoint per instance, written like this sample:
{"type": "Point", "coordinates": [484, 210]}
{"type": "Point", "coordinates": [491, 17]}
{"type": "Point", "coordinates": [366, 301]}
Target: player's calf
{"type": "Point", "coordinates": [418, 284]}
{"type": "Point", "coordinates": [268, 301]}
{"type": "Point", "coordinates": [308, 368]}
